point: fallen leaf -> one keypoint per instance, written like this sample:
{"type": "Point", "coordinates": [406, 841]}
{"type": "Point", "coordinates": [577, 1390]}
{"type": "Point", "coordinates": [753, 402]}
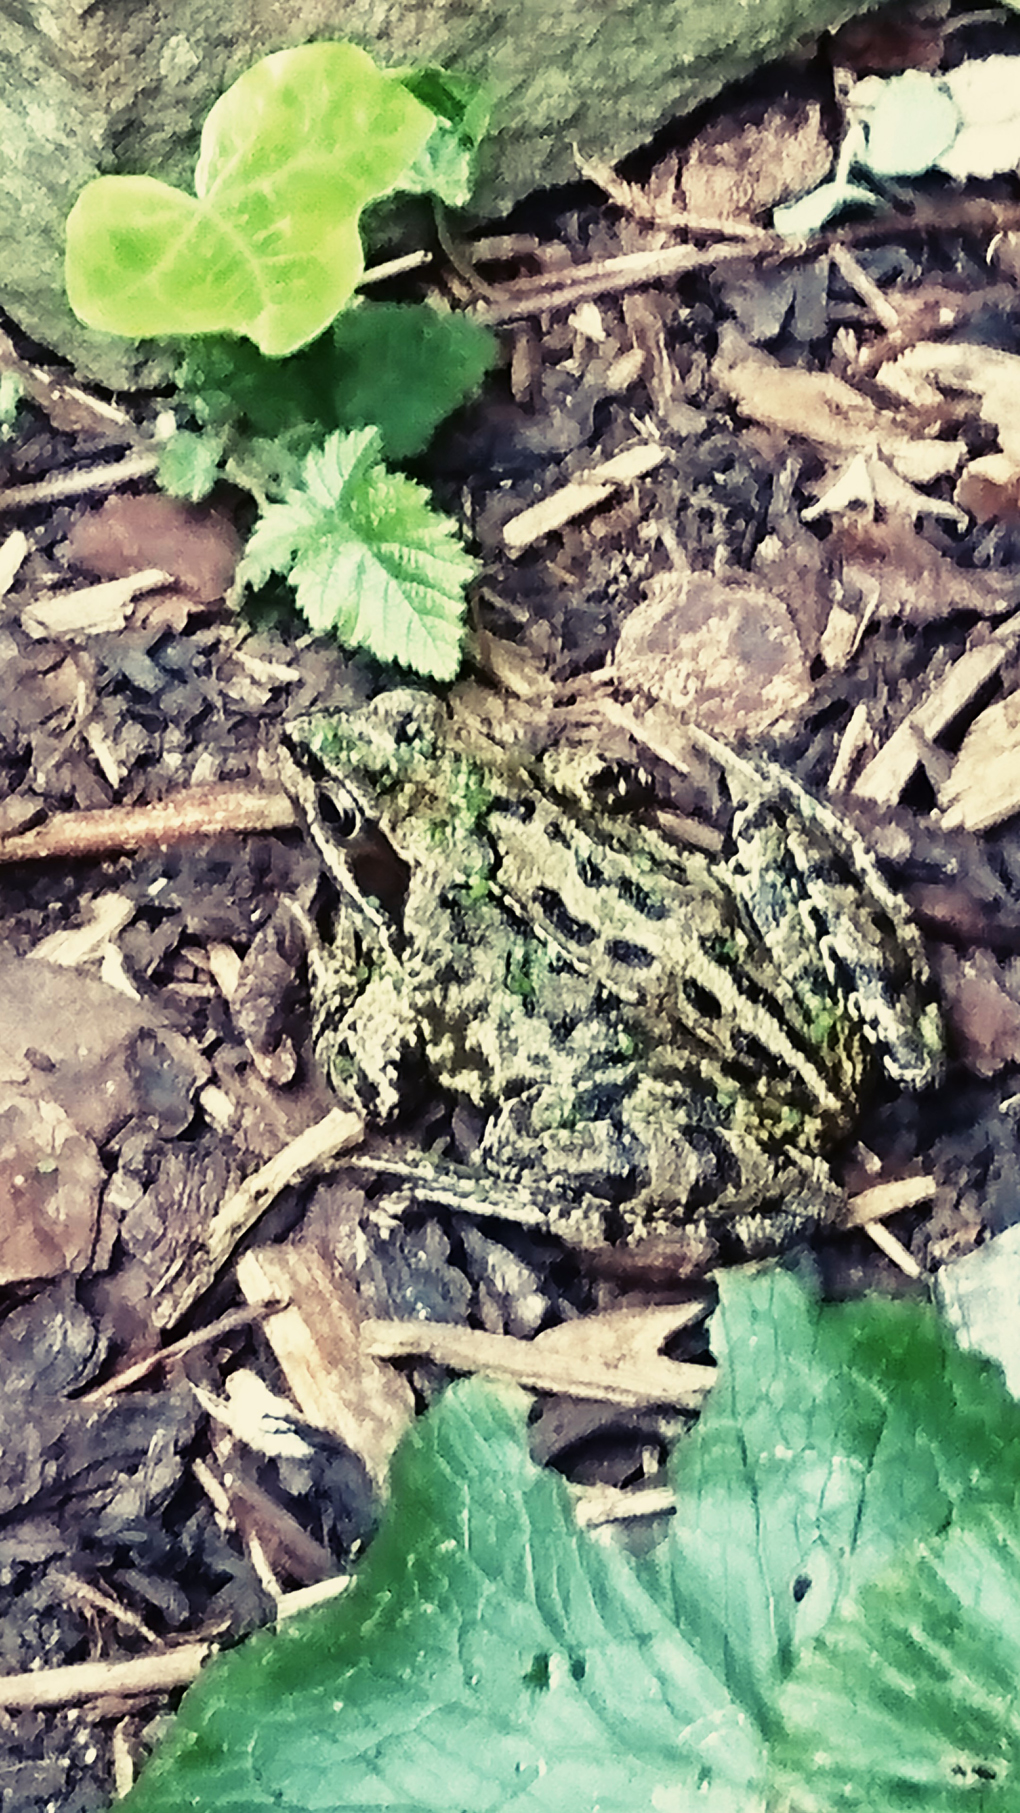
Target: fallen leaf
{"type": "Point", "coordinates": [720, 648]}
{"type": "Point", "coordinates": [754, 159]}
{"type": "Point", "coordinates": [819, 407]}
{"type": "Point", "coordinates": [50, 1183]}
{"type": "Point", "coordinates": [988, 373]}
{"type": "Point", "coordinates": [989, 488]}
{"type": "Point", "coordinates": [196, 545]}
{"type": "Point", "coordinates": [981, 1001]}
{"type": "Point", "coordinates": [907, 577]}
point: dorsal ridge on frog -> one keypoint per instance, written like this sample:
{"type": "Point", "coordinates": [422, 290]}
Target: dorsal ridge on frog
{"type": "Point", "coordinates": [675, 1036]}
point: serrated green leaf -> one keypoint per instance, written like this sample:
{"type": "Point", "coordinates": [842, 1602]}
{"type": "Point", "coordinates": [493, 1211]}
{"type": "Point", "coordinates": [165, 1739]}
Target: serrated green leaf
{"type": "Point", "coordinates": [911, 1698]}
{"type": "Point", "coordinates": [269, 244]}
{"type": "Point", "coordinates": [488, 1655]}
{"type": "Point", "coordinates": [398, 367]}
{"type": "Point", "coordinates": [369, 559]}
{"type": "Point", "coordinates": [403, 368]}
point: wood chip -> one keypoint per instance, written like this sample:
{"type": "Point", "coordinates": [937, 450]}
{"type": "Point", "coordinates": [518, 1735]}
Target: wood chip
{"type": "Point", "coordinates": [885, 777]}
{"type": "Point", "coordinates": [586, 1374]}
{"type": "Point", "coordinates": [582, 494]}
{"type": "Point", "coordinates": [983, 787]}
{"type": "Point", "coordinates": [90, 610]}
{"type": "Point", "coordinates": [337, 1383]}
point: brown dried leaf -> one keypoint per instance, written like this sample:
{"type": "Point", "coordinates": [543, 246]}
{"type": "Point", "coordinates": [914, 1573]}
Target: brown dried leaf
{"type": "Point", "coordinates": [985, 372]}
{"type": "Point", "coordinates": [197, 545]}
{"type": "Point", "coordinates": [50, 1180]}
{"type": "Point", "coordinates": [754, 159]}
{"type": "Point", "coordinates": [914, 581]}
{"type": "Point", "coordinates": [720, 648]}
{"type": "Point", "coordinates": [818, 407]}
{"type": "Point", "coordinates": [990, 488]}
{"type": "Point", "coordinates": [980, 995]}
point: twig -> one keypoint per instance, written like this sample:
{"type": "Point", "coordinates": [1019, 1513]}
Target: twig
{"type": "Point", "coordinates": [302, 1157]}
{"type": "Point", "coordinates": [652, 1380]}
{"type": "Point", "coordinates": [199, 812]}
{"type": "Point", "coordinates": [224, 1325]}
{"type": "Point", "coordinates": [97, 1680]}
{"type": "Point", "coordinates": [886, 775]}
{"type": "Point", "coordinates": [78, 483]}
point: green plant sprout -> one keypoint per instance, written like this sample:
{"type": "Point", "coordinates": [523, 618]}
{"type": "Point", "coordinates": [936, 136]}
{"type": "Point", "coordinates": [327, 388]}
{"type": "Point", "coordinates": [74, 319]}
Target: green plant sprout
{"type": "Point", "coordinates": [268, 251]}
{"type": "Point", "coordinates": [367, 556]}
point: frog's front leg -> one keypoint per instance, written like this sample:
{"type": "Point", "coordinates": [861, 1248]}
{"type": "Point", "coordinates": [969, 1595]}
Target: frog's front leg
{"type": "Point", "coordinates": [365, 1033]}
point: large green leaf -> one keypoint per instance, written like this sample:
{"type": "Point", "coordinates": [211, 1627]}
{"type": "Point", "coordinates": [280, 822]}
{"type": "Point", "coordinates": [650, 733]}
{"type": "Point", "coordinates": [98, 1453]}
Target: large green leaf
{"type": "Point", "coordinates": [488, 1656]}
{"type": "Point", "coordinates": [911, 1699]}
{"type": "Point", "coordinates": [835, 1437]}
{"type": "Point", "coordinates": [269, 245]}
{"type": "Point", "coordinates": [843, 1579]}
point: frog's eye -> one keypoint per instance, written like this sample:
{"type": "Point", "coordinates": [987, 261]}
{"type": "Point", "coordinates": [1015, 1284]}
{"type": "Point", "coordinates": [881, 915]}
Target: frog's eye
{"type": "Point", "coordinates": [339, 814]}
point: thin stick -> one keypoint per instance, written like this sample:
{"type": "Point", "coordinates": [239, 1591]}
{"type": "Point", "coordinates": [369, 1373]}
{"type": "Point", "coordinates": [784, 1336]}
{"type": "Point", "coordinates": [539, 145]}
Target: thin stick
{"type": "Point", "coordinates": [224, 1325]}
{"type": "Point", "coordinates": [199, 812]}
{"type": "Point", "coordinates": [77, 484]}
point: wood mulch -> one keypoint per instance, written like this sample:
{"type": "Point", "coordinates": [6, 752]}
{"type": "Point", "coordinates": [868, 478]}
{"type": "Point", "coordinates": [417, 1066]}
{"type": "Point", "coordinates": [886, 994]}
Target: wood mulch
{"type": "Point", "coordinates": [772, 488]}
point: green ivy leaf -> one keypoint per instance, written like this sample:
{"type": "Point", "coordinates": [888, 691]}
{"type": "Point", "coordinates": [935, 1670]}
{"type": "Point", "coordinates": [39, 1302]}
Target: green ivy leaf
{"type": "Point", "coordinates": [269, 245]}
{"type": "Point", "coordinates": [369, 560]}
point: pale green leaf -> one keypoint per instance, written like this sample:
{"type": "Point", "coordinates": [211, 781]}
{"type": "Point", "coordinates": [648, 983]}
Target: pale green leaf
{"type": "Point", "coordinates": [269, 245]}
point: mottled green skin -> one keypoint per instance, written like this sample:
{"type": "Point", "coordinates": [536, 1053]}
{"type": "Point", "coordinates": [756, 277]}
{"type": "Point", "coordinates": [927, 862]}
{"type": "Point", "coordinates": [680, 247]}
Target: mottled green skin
{"type": "Point", "coordinates": [662, 1038]}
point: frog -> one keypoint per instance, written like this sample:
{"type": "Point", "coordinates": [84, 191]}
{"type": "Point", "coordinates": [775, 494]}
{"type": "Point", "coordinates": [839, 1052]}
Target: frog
{"type": "Point", "coordinates": [657, 1038]}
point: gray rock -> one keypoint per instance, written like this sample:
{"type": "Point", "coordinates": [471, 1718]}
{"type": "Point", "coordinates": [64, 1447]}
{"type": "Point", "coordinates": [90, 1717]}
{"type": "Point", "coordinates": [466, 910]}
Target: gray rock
{"type": "Point", "coordinates": [115, 88]}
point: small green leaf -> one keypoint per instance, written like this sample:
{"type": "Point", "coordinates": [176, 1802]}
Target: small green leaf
{"type": "Point", "coordinates": [403, 368]}
{"type": "Point", "coordinates": [488, 1656]}
{"type": "Point", "coordinates": [369, 559]}
{"type": "Point", "coordinates": [189, 464]}
{"type": "Point", "coordinates": [446, 165]}
{"type": "Point", "coordinates": [269, 245]}
{"type": "Point", "coordinates": [399, 367]}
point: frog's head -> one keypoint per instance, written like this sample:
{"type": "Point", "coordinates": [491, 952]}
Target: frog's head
{"type": "Point", "coordinates": [353, 773]}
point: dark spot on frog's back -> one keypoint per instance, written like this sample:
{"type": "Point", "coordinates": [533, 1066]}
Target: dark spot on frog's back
{"type": "Point", "coordinates": [519, 807]}
{"type": "Point", "coordinates": [632, 956]}
{"type": "Point", "coordinates": [571, 930]}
